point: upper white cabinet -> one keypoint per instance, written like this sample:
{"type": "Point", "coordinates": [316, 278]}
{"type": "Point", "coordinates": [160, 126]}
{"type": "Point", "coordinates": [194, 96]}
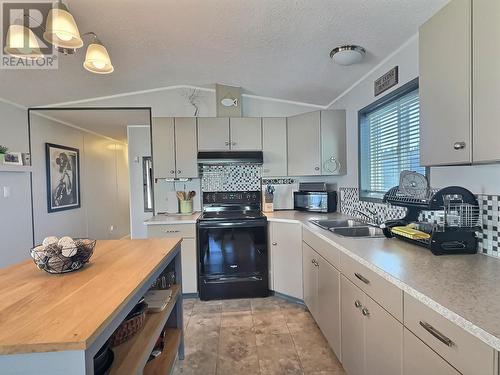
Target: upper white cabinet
{"type": "Point", "coordinates": [163, 139]}
{"type": "Point", "coordinates": [213, 134]}
{"type": "Point", "coordinates": [224, 134]}
{"type": "Point", "coordinates": [274, 146]}
{"type": "Point", "coordinates": [486, 80]}
{"type": "Point", "coordinates": [246, 133]}
{"type": "Point", "coordinates": [316, 144]}
{"type": "Point", "coordinates": [286, 258]}
{"type": "Point", "coordinates": [460, 87]}
{"type": "Point", "coordinates": [186, 151]}
{"type": "Point", "coordinates": [174, 147]}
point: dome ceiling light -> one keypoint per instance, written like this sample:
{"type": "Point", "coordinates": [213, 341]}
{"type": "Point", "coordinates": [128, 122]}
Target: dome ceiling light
{"type": "Point", "coordinates": [62, 32]}
{"type": "Point", "coordinates": [347, 54]}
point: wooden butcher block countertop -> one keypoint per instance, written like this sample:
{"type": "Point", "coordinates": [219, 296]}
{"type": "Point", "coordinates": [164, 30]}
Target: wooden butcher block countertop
{"type": "Point", "coordinates": [40, 312]}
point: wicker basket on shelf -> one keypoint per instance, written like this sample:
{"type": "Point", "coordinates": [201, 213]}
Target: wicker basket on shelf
{"type": "Point", "coordinates": [132, 324]}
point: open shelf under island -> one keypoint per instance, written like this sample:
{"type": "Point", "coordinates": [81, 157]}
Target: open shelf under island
{"type": "Point", "coordinates": [55, 324]}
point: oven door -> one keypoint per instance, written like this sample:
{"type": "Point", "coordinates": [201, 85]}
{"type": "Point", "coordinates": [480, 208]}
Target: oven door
{"type": "Point", "coordinates": [232, 258]}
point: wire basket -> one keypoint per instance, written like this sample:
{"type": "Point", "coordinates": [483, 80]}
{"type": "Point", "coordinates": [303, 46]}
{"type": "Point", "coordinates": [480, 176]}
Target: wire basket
{"type": "Point", "coordinates": [51, 259]}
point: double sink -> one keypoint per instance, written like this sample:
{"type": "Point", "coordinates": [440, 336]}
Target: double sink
{"type": "Point", "coordinates": [349, 228]}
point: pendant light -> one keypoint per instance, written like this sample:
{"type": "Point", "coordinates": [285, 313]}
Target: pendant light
{"type": "Point", "coordinates": [61, 29]}
{"type": "Point", "coordinates": [21, 42]}
{"type": "Point", "coordinates": [97, 58]}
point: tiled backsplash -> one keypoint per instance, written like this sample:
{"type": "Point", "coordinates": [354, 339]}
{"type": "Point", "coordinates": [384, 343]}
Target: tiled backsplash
{"type": "Point", "coordinates": [488, 237]}
{"type": "Point", "coordinates": [230, 177]}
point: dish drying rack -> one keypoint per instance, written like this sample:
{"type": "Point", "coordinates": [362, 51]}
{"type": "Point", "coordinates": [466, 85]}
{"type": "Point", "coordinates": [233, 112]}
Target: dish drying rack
{"type": "Point", "coordinates": [454, 213]}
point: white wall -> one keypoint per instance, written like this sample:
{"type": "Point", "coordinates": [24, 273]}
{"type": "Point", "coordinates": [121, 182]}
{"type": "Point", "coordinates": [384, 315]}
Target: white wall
{"type": "Point", "coordinates": [103, 184]}
{"type": "Point", "coordinates": [478, 179]}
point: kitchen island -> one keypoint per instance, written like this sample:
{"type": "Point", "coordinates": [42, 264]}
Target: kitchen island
{"type": "Point", "coordinates": [55, 324]}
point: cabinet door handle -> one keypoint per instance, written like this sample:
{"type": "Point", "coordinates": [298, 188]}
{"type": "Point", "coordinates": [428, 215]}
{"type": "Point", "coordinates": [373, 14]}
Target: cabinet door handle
{"type": "Point", "coordinates": [172, 171]}
{"type": "Point", "coordinates": [233, 143]}
{"type": "Point", "coordinates": [316, 169]}
{"type": "Point", "coordinates": [171, 231]}
{"type": "Point", "coordinates": [357, 304]}
{"type": "Point", "coordinates": [275, 243]}
{"type": "Point", "coordinates": [365, 311]}
{"type": "Point", "coordinates": [459, 145]}
{"type": "Point", "coordinates": [362, 278]}
{"type": "Point", "coordinates": [434, 332]}
{"type": "Point", "coordinates": [179, 171]}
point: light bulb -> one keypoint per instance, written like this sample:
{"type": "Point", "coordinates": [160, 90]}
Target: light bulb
{"type": "Point", "coordinates": [99, 64]}
{"type": "Point", "coordinates": [63, 36]}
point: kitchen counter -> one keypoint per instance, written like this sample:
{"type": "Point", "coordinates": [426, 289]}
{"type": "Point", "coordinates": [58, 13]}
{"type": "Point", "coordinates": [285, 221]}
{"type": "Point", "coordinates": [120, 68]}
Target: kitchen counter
{"type": "Point", "coordinates": [163, 219]}
{"type": "Point", "coordinates": [53, 313]}
{"type": "Point", "coordinates": [462, 288]}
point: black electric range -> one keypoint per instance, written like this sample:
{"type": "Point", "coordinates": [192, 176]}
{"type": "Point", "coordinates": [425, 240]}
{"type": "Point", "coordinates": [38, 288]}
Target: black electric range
{"type": "Point", "coordinates": [232, 246]}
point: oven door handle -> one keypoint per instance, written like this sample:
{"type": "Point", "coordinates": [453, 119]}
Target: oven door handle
{"type": "Point", "coordinates": [223, 280]}
{"type": "Point", "coordinates": [232, 224]}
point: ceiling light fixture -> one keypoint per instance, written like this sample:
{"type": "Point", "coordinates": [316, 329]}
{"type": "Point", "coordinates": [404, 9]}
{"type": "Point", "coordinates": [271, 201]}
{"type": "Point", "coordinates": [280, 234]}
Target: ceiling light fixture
{"type": "Point", "coordinates": [60, 29]}
{"type": "Point", "coordinates": [347, 54]}
{"type": "Point", "coordinates": [62, 32]}
{"type": "Point", "coordinates": [97, 58]}
{"type": "Point", "coordinates": [15, 44]}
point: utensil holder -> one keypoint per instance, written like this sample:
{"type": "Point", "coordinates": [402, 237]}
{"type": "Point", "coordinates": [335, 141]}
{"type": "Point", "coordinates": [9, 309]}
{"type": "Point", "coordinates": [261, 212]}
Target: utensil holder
{"type": "Point", "coordinates": [186, 207]}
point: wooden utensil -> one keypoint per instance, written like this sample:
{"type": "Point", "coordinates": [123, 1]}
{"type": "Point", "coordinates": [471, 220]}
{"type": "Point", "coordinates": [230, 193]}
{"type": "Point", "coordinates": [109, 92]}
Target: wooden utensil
{"type": "Point", "coordinates": [180, 195]}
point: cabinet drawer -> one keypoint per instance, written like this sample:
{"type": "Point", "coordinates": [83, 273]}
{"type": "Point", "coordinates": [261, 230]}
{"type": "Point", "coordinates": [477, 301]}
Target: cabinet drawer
{"type": "Point", "coordinates": [389, 296]}
{"type": "Point", "coordinates": [462, 350]}
{"type": "Point", "coordinates": [172, 230]}
{"type": "Point", "coordinates": [322, 247]}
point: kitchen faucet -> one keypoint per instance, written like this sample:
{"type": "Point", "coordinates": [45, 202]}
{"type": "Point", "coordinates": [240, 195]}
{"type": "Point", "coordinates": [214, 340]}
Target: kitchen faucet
{"type": "Point", "coordinates": [372, 216]}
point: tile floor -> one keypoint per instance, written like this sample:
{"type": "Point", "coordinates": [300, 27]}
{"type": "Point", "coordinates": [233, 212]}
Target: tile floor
{"type": "Point", "coordinates": [253, 336]}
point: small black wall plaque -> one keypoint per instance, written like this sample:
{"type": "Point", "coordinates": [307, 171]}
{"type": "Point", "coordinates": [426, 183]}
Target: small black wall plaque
{"type": "Point", "coordinates": [387, 81]}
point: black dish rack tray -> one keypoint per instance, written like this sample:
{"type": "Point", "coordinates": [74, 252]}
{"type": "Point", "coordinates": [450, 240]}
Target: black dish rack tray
{"type": "Point", "coordinates": [458, 216]}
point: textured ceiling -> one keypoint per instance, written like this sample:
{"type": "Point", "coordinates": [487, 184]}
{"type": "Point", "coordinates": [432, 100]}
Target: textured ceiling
{"type": "Point", "coordinates": [108, 122]}
{"type": "Point", "coordinates": [274, 48]}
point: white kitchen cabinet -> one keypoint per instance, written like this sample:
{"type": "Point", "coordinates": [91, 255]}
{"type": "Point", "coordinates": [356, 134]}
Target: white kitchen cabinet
{"type": "Point", "coordinates": [445, 85]}
{"type": "Point", "coordinates": [246, 133]}
{"type": "Point", "coordinates": [372, 339]}
{"type": "Point", "coordinates": [213, 134]}
{"type": "Point", "coordinates": [322, 295]}
{"type": "Point", "coordinates": [329, 303]}
{"type": "Point", "coordinates": [188, 251]}
{"type": "Point", "coordinates": [174, 147]}
{"type": "Point", "coordinates": [286, 254]}
{"type": "Point", "coordinates": [163, 140]}
{"type": "Point", "coordinates": [419, 359]}
{"type": "Point", "coordinates": [310, 279]}
{"type": "Point", "coordinates": [353, 330]}
{"type": "Point", "coordinates": [186, 151]}
{"type": "Point", "coordinates": [274, 146]}
{"type": "Point", "coordinates": [316, 143]}
{"type": "Point", "coordinates": [486, 80]}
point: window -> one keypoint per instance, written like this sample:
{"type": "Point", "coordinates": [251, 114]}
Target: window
{"type": "Point", "coordinates": [389, 141]}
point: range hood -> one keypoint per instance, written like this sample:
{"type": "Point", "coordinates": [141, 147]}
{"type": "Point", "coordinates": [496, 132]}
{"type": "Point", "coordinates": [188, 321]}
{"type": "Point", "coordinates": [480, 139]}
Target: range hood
{"type": "Point", "coordinates": [230, 157]}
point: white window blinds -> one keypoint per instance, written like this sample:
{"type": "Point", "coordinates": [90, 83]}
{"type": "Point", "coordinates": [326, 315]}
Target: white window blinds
{"type": "Point", "coordinates": [389, 143]}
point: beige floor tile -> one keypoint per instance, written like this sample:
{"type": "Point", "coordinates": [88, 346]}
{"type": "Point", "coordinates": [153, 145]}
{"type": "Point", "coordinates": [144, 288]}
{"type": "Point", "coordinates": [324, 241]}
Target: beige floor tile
{"type": "Point", "coordinates": [265, 304]}
{"type": "Point", "coordinates": [204, 307]}
{"type": "Point", "coordinates": [277, 355]}
{"type": "Point", "coordinates": [269, 322]}
{"type": "Point", "coordinates": [237, 305]}
{"type": "Point", "coordinates": [314, 352]}
{"type": "Point", "coordinates": [237, 352]}
{"type": "Point", "coordinates": [237, 319]}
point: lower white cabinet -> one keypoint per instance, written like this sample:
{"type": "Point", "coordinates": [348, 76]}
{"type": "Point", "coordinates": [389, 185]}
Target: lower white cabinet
{"type": "Point", "coordinates": [419, 359]}
{"type": "Point", "coordinates": [372, 339]}
{"type": "Point", "coordinates": [322, 295]}
{"type": "Point", "coordinates": [286, 258]}
{"type": "Point", "coordinates": [188, 251]}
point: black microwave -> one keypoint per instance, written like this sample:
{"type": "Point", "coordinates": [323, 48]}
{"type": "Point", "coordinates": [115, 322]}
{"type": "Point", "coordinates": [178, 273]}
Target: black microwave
{"type": "Point", "coordinates": [315, 201]}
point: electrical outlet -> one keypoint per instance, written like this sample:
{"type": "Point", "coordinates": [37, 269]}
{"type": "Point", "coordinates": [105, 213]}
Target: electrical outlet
{"type": "Point", "coordinates": [6, 191]}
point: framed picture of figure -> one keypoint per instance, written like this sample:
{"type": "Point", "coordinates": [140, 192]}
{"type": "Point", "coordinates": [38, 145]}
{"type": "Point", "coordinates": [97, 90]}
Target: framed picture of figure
{"type": "Point", "coordinates": [63, 177]}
